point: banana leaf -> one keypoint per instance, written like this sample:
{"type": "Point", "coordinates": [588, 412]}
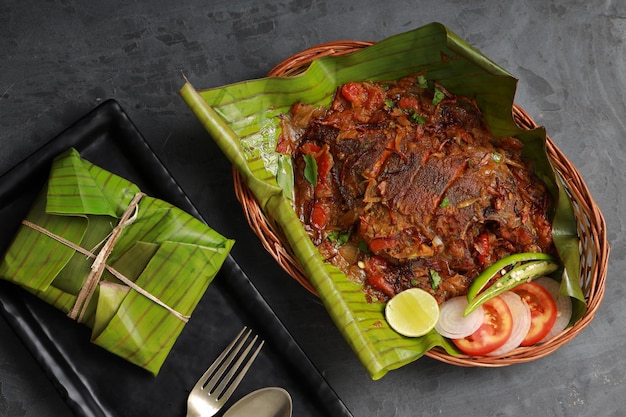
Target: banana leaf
{"type": "Point", "coordinates": [154, 276]}
{"type": "Point", "coordinates": [242, 119]}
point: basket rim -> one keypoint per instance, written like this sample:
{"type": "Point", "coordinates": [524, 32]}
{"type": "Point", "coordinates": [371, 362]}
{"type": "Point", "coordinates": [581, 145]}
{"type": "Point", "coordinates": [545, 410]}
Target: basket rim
{"type": "Point", "coordinates": [594, 281]}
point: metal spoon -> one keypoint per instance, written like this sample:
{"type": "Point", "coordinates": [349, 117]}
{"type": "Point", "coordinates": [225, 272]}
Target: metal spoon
{"type": "Point", "coordinates": [264, 402]}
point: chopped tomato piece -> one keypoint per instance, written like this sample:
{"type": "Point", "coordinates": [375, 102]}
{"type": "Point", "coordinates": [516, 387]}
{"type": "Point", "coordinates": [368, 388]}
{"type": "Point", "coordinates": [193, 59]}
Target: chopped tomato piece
{"type": "Point", "coordinates": [310, 148]}
{"type": "Point", "coordinates": [376, 270]}
{"type": "Point", "coordinates": [378, 280]}
{"type": "Point", "coordinates": [543, 311]}
{"type": "Point", "coordinates": [482, 247]}
{"type": "Point", "coordinates": [354, 93]}
{"type": "Point", "coordinates": [324, 163]}
{"type": "Point", "coordinates": [408, 103]}
{"type": "Point", "coordinates": [493, 333]}
{"type": "Point", "coordinates": [363, 95]}
{"type": "Point", "coordinates": [320, 215]}
{"type": "Point", "coordinates": [283, 145]}
{"type": "Point", "coordinates": [381, 243]}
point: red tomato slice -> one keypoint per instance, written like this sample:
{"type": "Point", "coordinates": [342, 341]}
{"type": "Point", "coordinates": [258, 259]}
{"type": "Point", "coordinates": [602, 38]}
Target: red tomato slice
{"type": "Point", "coordinates": [493, 333]}
{"type": "Point", "coordinates": [542, 311]}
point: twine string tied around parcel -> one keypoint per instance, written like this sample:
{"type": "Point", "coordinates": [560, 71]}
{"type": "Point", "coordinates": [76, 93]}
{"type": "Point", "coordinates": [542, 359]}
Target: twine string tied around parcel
{"type": "Point", "coordinates": [99, 264]}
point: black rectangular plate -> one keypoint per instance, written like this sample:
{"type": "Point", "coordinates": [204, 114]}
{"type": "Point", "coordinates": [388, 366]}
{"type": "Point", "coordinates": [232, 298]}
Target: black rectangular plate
{"type": "Point", "coordinates": [95, 382]}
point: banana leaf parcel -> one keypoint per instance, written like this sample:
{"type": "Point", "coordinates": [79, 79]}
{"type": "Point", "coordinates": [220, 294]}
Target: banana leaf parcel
{"type": "Point", "coordinates": [129, 266]}
{"type": "Point", "coordinates": [243, 119]}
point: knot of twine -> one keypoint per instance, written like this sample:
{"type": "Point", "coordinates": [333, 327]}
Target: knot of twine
{"type": "Point", "coordinates": [99, 264]}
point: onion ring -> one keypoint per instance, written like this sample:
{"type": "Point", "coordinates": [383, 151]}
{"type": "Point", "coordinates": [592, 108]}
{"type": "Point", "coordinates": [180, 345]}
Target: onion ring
{"type": "Point", "coordinates": [453, 323]}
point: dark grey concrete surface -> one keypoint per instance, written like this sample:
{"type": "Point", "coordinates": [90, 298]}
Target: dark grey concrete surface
{"type": "Point", "coordinates": [61, 58]}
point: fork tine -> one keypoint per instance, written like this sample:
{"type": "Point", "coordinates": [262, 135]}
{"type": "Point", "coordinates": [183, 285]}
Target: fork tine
{"type": "Point", "coordinates": [235, 375]}
{"type": "Point", "coordinates": [218, 361]}
{"type": "Point", "coordinates": [211, 384]}
{"type": "Point", "coordinates": [214, 382]}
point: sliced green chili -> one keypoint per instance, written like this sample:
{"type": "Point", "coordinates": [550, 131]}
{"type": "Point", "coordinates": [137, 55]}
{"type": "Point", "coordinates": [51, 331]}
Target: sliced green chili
{"type": "Point", "coordinates": [517, 275]}
{"type": "Point", "coordinates": [500, 265]}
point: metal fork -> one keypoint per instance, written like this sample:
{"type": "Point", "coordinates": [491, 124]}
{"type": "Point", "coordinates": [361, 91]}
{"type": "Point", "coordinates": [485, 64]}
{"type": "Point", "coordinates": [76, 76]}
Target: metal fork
{"type": "Point", "coordinates": [217, 384]}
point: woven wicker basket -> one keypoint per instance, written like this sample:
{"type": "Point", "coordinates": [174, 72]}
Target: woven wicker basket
{"type": "Point", "coordinates": [591, 226]}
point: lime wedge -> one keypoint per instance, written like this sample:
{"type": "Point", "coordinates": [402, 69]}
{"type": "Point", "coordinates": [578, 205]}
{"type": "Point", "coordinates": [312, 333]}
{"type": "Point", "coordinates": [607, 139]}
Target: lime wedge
{"type": "Point", "coordinates": [412, 312]}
